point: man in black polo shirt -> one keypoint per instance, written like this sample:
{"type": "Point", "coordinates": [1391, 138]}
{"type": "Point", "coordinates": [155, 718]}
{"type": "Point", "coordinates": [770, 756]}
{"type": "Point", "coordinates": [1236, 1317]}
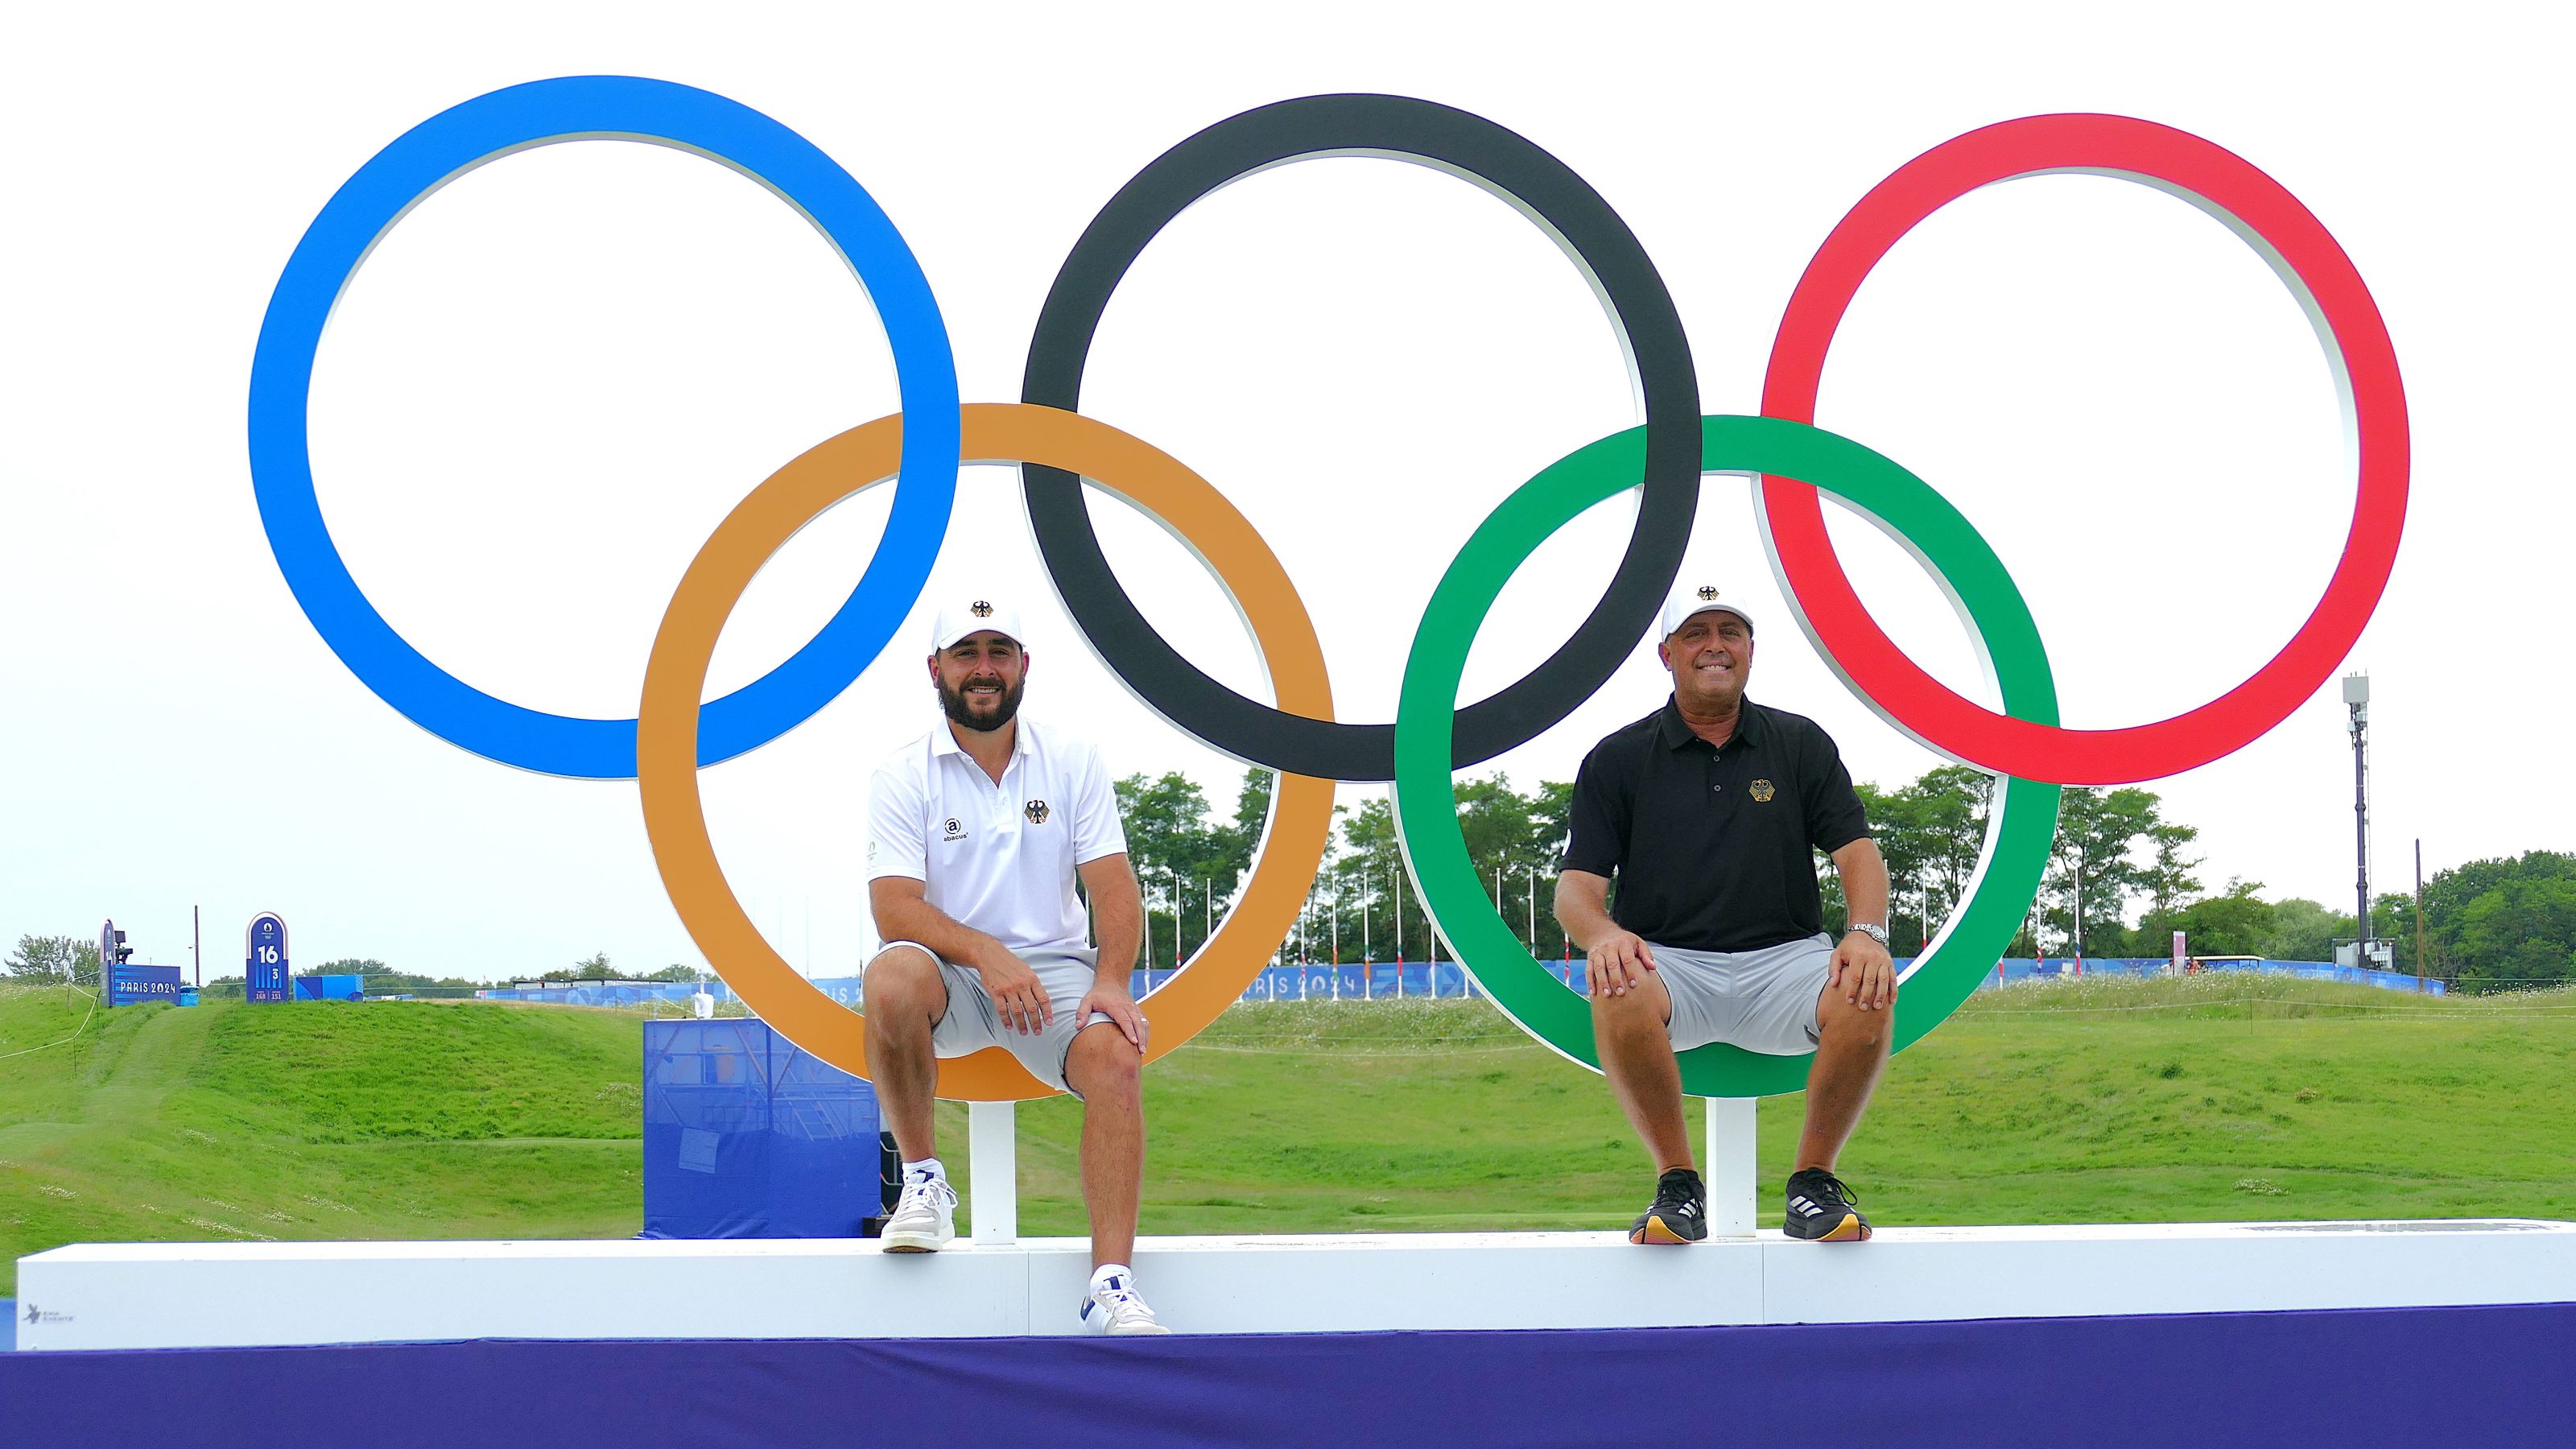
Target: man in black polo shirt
{"type": "Point", "coordinates": [1705, 811]}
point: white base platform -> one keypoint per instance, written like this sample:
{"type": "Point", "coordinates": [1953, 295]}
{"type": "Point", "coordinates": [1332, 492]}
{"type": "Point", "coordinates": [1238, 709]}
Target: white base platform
{"type": "Point", "coordinates": [174, 1295]}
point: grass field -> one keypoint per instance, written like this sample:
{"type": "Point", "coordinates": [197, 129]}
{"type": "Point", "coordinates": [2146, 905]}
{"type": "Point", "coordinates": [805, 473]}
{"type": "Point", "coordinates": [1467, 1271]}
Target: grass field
{"type": "Point", "coordinates": [326, 1121]}
{"type": "Point", "coordinates": [2211, 1098]}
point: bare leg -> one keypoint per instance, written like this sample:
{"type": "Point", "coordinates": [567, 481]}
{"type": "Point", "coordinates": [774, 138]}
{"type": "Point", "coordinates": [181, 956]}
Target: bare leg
{"type": "Point", "coordinates": [1636, 1053]}
{"type": "Point", "coordinates": [905, 998]}
{"type": "Point", "coordinates": [1103, 1067]}
{"type": "Point", "coordinates": [1848, 1061]}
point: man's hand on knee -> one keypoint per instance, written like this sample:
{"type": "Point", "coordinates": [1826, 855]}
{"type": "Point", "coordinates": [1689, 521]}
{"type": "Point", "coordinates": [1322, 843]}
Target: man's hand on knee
{"type": "Point", "coordinates": [1111, 999]}
{"type": "Point", "coordinates": [1617, 964]}
{"type": "Point", "coordinates": [1099, 1060]}
{"type": "Point", "coordinates": [1863, 973]}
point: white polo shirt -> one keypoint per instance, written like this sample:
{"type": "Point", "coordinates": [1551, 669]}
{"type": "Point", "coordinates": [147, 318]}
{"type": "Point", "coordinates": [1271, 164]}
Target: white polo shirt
{"type": "Point", "coordinates": [997, 857]}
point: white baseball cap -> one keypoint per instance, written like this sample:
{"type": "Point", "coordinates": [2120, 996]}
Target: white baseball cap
{"type": "Point", "coordinates": [974, 614]}
{"type": "Point", "coordinates": [1692, 599]}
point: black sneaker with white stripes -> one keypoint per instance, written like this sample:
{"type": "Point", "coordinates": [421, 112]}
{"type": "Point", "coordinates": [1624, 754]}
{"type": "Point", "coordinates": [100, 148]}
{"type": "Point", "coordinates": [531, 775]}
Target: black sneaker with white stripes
{"type": "Point", "coordinates": [1680, 1213]}
{"type": "Point", "coordinates": [1822, 1210]}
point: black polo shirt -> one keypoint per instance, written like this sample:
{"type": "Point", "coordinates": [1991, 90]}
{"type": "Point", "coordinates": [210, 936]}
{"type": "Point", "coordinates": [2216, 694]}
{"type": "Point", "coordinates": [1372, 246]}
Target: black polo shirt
{"type": "Point", "coordinates": [1710, 847]}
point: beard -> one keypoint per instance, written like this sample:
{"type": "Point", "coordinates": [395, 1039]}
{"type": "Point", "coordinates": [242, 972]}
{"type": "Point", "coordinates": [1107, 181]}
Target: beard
{"type": "Point", "coordinates": [954, 703]}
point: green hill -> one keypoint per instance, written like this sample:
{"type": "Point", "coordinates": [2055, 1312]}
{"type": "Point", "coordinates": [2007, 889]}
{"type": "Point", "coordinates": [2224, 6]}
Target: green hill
{"type": "Point", "coordinates": [2209, 1098]}
{"type": "Point", "coordinates": [224, 1122]}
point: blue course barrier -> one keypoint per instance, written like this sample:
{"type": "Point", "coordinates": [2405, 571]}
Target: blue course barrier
{"type": "Point", "coordinates": [609, 993]}
{"type": "Point", "coordinates": [330, 988]}
{"type": "Point", "coordinates": [2050, 968]}
{"type": "Point", "coordinates": [1446, 980]}
{"type": "Point", "coordinates": [2014, 969]}
{"type": "Point", "coordinates": [1350, 981]}
{"type": "Point", "coordinates": [1354, 981]}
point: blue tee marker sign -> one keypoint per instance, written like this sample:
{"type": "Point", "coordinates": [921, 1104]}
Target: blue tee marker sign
{"type": "Point", "coordinates": [264, 968]}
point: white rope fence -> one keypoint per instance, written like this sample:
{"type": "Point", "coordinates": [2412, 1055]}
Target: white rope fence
{"type": "Point", "coordinates": [66, 1041]}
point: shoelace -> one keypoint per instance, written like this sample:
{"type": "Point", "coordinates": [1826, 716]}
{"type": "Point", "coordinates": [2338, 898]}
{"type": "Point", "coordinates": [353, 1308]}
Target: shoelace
{"type": "Point", "coordinates": [936, 1188]}
{"type": "Point", "coordinates": [1122, 1302]}
{"type": "Point", "coordinates": [1836, 1185]}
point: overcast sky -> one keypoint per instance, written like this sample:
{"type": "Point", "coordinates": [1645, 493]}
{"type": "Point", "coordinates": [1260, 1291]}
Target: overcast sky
{"type": "Point", "coordinates": [555, 376]}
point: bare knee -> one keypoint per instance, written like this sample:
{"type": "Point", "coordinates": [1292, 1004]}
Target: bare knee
{"type": "Point", "coordinates": [1845, 1024]}
{"type": "Point", "coordinates": [1103, 1064]}
{"type": "Point", "coordinates": [904, 981]}
{"type": "Point", "coordinates": [1643, 1007]}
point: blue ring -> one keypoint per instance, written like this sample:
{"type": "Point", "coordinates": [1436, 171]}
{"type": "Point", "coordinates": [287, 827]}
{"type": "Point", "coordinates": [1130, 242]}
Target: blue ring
{"type": "Point", "coordinates": [568, 108]}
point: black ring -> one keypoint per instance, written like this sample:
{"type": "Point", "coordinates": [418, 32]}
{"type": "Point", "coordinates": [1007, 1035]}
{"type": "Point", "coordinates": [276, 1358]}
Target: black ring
{"type": "Point", "coordinates": [1497, 159]}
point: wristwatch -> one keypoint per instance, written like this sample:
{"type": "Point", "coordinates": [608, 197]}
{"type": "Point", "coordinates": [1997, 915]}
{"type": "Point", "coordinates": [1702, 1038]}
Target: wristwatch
{"type": "Point", "coordinates": [1875, 933]}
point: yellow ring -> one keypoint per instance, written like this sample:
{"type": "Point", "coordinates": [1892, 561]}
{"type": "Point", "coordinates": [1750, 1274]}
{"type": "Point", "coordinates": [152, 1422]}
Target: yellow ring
{"type": "Point", "coordinates": [666, 723]}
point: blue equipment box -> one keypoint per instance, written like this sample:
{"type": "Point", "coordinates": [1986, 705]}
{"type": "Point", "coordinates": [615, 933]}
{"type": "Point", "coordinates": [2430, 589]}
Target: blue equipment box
{"type": "Point", "coordinates": [748, 1136]}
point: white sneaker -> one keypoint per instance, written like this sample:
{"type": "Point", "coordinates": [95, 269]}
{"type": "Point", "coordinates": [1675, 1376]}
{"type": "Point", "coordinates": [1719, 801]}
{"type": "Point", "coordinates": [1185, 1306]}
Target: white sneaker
{"type": "Point", "coordinates": [924, 1218]}
{"type": "Point", "coordinates": [1114, 1309]}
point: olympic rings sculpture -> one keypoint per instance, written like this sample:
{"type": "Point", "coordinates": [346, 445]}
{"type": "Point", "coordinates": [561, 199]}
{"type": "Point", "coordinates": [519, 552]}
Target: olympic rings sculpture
{"type": "Point", "coordinates": [673, 734]}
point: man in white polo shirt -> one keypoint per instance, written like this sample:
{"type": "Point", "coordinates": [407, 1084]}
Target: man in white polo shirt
{"type": "Point", "coordinates": [976, 832]}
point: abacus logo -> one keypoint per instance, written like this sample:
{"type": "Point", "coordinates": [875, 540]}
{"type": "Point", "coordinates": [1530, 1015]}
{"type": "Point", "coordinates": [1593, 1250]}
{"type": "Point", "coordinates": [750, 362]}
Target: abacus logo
{"type": "Point", "coordinates": [673, 734]}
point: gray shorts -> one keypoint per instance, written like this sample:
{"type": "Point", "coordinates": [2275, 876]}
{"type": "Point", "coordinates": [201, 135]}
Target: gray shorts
{"type": "Point", "coordinates": [972, 1022]}
{"type": "Point", "coordinates": [1763, 1001]}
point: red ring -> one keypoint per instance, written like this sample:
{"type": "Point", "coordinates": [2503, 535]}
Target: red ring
{"type": "Point", "coordinates": [2310, 264]}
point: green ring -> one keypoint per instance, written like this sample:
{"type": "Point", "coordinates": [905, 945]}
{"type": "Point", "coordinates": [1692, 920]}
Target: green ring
{"type": "Point", "coordinates": [2017, 840]}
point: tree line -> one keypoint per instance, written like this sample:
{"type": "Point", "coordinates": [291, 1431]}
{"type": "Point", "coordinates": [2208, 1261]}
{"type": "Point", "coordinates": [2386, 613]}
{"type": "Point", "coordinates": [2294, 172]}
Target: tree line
{"type": "Point", "coordinates": [54, 960]}
{"type": "Point", "coordinates": [2493, 924]}
{"type": "Point", "coordinates": [1190, 863]}
{"type": "Point", "coordinates": [2503, 924]}
{"type": "Point", "coordinates": [2121, 880]}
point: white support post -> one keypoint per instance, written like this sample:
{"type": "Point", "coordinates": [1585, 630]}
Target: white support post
{"type": "Point", "coordinates": [993, 1168]}
{"type": "Point", "coordinates": [1727, 1168]}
